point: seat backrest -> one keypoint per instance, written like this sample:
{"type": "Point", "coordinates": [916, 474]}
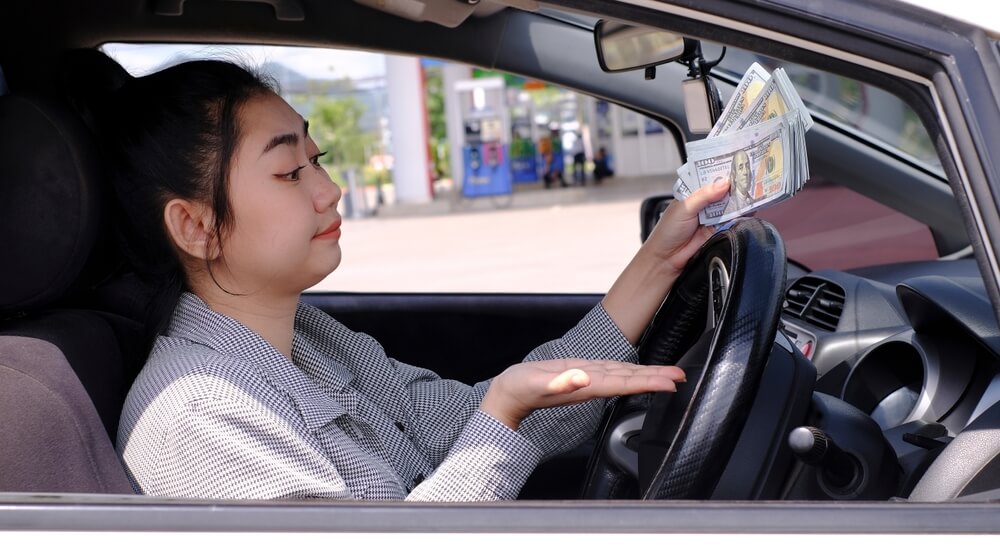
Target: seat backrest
{"type": "Point", "coordinates": [62, 371]}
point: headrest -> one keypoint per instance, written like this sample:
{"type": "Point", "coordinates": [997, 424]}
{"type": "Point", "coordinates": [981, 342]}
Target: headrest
{"type": "Point", "coordinates": [49, 200]}
{"type": "Point", "coordinates": [89, 77]}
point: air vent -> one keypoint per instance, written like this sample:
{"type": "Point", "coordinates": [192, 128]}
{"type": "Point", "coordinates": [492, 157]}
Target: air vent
{"type": "Point", "coordinates": [815, 301]}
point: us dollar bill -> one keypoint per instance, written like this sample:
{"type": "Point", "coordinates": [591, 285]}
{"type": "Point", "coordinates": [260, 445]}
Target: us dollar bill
{"type": "Point", "coordinates": [753, 160]}
{"type": "Point", "coordinates": [686, 183]}
{"type": "Point", "coordinates": [777, 97]}
{"type": "Point", "coordinates": [746, 93]}
{"type": "Point", "coordinates": [757, 145]}
{"type": "Point", "coordinates": [681, 189]}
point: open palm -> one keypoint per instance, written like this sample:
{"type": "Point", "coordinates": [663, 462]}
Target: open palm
{"type": "Point", "coordinates": [542, 384]}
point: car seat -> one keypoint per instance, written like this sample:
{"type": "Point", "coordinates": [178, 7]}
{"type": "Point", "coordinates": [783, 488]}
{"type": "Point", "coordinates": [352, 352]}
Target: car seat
{"type": "Point", "coordinates": [66, 361]}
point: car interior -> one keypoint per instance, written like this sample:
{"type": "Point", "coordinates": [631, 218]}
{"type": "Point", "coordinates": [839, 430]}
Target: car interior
{"type": "Point", "coordinates": [897, 364]}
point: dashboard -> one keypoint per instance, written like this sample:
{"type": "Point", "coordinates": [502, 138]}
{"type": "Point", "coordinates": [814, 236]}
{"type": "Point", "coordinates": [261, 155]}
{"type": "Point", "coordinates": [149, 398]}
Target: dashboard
{"type": "Point", "coordinates": [914, 346]}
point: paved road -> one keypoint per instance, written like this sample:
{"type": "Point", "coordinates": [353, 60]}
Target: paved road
{"type": "Point", "coordinates": [561, 248]}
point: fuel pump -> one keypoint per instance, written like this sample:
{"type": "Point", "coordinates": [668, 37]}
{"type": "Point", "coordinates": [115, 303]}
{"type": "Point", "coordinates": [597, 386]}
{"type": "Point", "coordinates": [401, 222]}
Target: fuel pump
{"type": "Point", "coordinates": [486, 166]}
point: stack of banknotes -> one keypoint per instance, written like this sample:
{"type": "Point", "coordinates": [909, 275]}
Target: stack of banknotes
{"type": "Point", "coordinates": [758, 145]}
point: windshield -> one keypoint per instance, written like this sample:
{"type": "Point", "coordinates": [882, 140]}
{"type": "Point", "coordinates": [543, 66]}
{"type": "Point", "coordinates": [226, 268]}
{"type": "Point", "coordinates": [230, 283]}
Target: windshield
{"type": "Point", "coordinates": [868, 111]}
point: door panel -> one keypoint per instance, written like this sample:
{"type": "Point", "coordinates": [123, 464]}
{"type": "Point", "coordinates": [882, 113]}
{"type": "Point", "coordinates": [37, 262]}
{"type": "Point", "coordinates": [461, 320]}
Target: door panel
{"type": "Point", "coordinates": [471, 337]}
{"type": "Point", "coordinates": [466, 337]}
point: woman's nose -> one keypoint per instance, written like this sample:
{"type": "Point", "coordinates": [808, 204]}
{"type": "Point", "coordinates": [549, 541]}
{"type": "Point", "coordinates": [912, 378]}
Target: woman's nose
{"type": "Point", "coordinates": [326, 193]}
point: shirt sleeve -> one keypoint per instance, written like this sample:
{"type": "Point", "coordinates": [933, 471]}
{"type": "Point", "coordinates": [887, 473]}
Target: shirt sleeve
{"type": "Point", "coordinates": [472, 455]}
{"type": "Point", "coordinates": [221, 448]}
{"type": "Point", "coordinates": [241, 453]}
{"type": "Point", "coordinates": [488, 462]}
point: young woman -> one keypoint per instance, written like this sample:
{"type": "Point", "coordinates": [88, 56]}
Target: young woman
{"type": "Point", "coordinates": [248, 393]}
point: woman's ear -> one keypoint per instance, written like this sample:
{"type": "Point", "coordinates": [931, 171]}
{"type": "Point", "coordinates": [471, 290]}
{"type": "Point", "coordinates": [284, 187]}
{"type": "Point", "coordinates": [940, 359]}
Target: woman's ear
{"type": "Point", "coordinates": [191, 226]}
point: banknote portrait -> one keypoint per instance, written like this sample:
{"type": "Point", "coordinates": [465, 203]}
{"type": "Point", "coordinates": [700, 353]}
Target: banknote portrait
{"type": "Point", "coordinates": [741, 181]}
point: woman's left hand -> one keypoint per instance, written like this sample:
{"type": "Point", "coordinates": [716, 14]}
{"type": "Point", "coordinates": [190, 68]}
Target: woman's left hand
{"type": "Point", "coordinates": [526, 387]}
{"type": "Point", "coordinates": [678, 234]}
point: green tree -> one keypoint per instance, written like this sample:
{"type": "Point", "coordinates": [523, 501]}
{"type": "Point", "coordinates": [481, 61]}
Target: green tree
{"type": "Point", "coordinates": [335, 126]}
{"type": "Point", "coordinates": [434, 86]}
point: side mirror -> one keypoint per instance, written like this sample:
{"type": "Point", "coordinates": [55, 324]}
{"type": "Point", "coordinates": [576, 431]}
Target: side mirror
{"type": "Point", "coordinates": [622, 47]}
{"type": "Point", "coordinates": [650, 212]}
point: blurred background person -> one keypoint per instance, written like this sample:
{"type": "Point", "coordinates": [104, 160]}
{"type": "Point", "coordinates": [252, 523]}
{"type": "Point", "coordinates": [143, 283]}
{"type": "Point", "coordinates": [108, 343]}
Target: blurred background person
{"type": "Point", "coordinates": [602, 165]}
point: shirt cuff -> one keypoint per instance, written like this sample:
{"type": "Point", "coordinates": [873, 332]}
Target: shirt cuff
{"type": "Point", "coordinates": [488, 462]}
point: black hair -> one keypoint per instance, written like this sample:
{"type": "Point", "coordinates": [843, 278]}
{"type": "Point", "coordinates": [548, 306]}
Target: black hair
{"type": "Point", "coordinates": [172, 134]}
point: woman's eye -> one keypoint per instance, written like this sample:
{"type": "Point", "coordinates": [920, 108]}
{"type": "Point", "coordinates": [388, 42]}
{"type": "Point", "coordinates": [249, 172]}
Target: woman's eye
{"type": "Point", "coordinates": [295, 174]}
{"type": "Point", "coordinates": [292, 175]}
{"type": "Point", "coordinates": [315, 159]}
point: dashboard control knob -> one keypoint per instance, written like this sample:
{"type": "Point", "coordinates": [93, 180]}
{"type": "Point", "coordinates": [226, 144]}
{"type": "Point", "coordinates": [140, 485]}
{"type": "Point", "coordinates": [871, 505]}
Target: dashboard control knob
{"type": "Point", "coordinates": [839, 470]}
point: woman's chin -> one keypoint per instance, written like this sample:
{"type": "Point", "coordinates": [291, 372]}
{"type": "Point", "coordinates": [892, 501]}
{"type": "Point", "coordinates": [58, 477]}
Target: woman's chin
{"type": "Point", "coordinates": [321, 272]}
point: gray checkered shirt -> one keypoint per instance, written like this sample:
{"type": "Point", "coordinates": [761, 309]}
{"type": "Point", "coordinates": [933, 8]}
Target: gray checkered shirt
{"type": "Point", "coordinates": [217, 412]}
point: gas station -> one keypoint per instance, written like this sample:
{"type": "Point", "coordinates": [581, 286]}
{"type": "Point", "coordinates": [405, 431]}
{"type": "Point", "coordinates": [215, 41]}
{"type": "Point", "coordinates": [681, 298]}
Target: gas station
{"type": "Point", "coordinates": [500, 135]}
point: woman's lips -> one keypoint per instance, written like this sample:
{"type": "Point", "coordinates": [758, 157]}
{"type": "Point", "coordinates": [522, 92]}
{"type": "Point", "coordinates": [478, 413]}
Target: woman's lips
{"type": "Point", "coordinates": [332, 232]}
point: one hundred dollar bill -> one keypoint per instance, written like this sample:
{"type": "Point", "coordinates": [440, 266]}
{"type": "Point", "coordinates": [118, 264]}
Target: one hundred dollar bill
{"type": "Point", "coordinates": [686, 184]}
{"type": "Point", "coordinates": [681, 189]}
{"type": "Point", "coordinates": [747, 90]}
{"type": "Point", "coordinates": [777, 97]}
{"type": "Point", "coordinates": [757, 145]}
{"type": "Point", "coordinates": [754, 161]}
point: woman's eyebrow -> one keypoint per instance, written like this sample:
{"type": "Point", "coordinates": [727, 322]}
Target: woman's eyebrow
{"type": "Point", "coordinates": [288, 138]}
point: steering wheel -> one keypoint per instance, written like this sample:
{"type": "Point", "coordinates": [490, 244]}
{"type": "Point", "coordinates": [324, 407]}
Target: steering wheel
{"type": "Point", "coordinates": [718, 323]}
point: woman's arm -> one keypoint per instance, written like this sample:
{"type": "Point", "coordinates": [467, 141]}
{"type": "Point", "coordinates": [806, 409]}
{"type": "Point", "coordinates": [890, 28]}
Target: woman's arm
{"type": "Point", "coordinates": [640, 289]}
{"type": "Point", "coordinates": [630, 305]}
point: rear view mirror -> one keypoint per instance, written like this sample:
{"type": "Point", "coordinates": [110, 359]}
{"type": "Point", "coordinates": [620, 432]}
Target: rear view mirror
{"type": "Point", "coordinates": [622, 47]}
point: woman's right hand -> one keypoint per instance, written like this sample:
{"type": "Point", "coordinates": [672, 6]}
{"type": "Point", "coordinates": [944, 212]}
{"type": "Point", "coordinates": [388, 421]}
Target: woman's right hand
{"type": "Point", "coordinates": [525, 387]}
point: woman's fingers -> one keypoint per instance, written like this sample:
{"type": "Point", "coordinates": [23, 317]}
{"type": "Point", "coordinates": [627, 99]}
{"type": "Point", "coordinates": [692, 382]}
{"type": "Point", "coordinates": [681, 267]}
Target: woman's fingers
{"type": "Point", "coordinates": [608, 385]}
{"type": "Point", "coordinates": [569, 381]}
{"type": "Point", "coordinates": [703, 196]}
{"type": "Point", "coordinates": [624, 369]}
{"type": "Point", "coordinates": [685, 212]}
{"type": "Point", "coordinates": [678, 234]}
{"type": "Point", "coordinates": [525, 387]}
{"type": "Point", "coordinates": [591, 379]}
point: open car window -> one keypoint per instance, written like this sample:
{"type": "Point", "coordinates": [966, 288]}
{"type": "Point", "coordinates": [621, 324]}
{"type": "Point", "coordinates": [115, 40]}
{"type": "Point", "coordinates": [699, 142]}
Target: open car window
{"type": "Point", "coordinates": [572, 234]}
{"type": "Point", "coordinates": [542, 237]}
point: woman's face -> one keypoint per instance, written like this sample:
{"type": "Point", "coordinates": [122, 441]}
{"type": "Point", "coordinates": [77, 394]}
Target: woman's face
{"type": "Point", "coordinates": [286, 230]}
